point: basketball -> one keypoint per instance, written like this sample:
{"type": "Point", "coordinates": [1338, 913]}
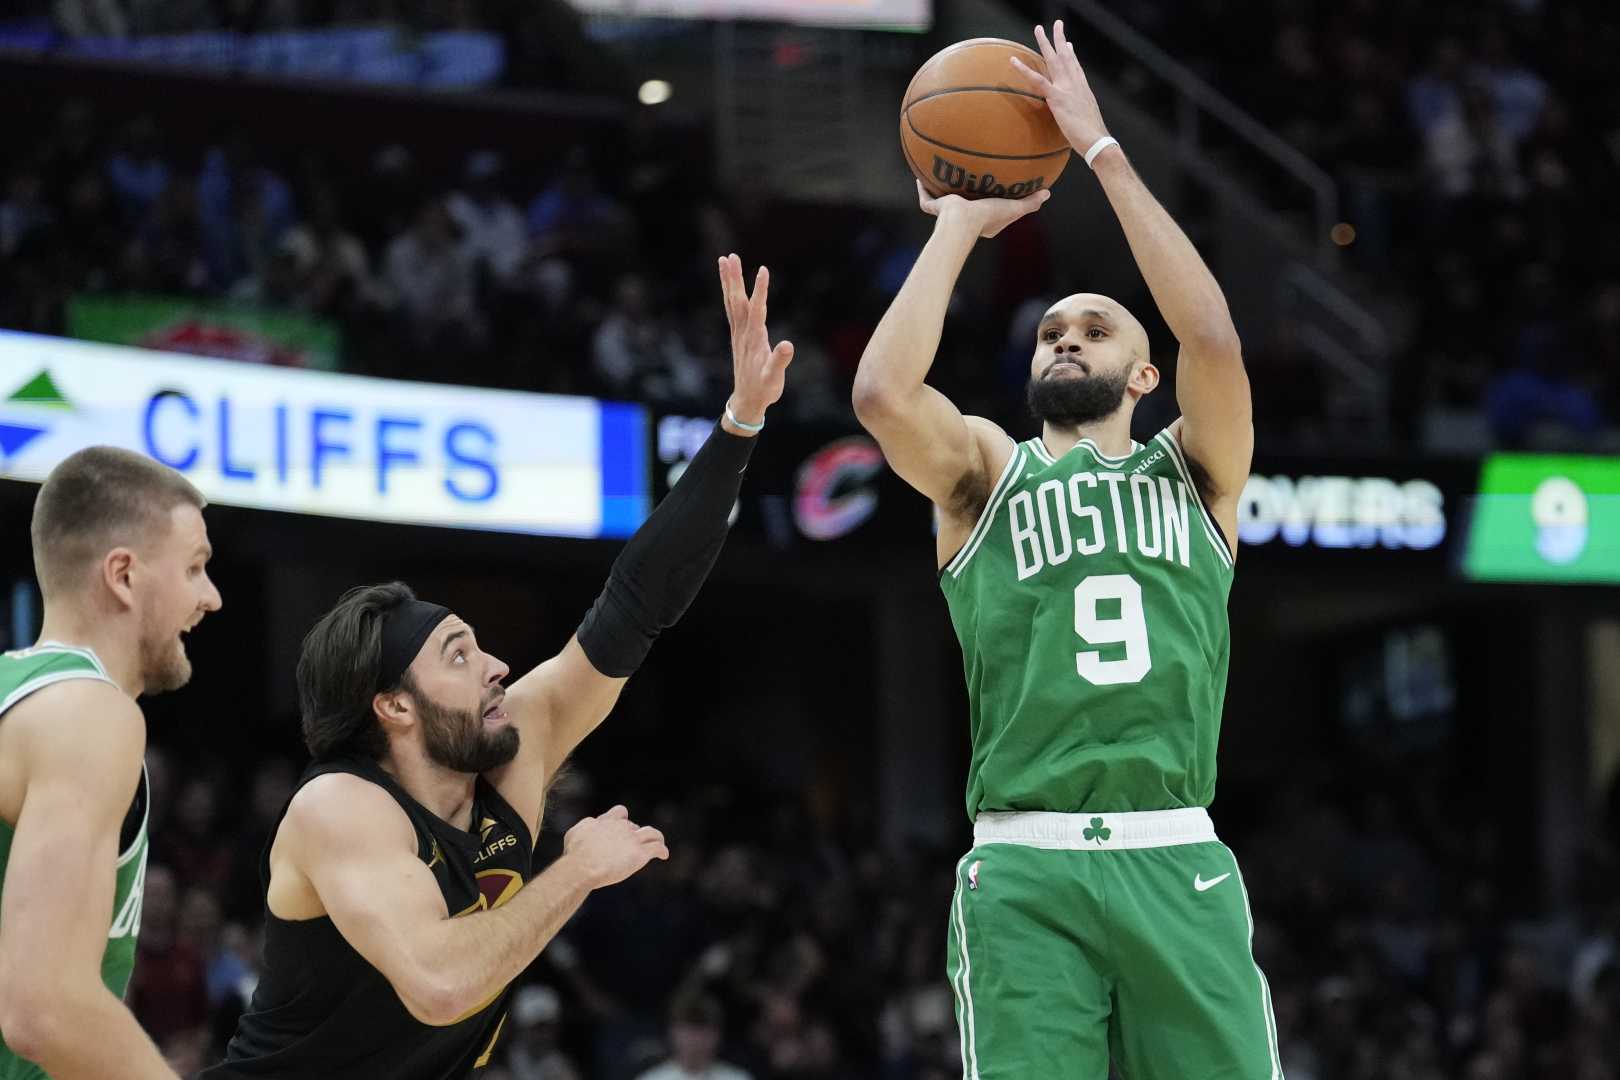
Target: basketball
{"type": "Point", "coordinates": [969, 127]}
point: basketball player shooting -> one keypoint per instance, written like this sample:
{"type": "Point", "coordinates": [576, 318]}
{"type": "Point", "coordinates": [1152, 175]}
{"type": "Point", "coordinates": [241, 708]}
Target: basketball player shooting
{"type": "Point", "coordinates": [1096, 915]}
{"type": "Point", "coordinates": [399, 908]}
{"type": "Point", "coordinates": [121, 553]}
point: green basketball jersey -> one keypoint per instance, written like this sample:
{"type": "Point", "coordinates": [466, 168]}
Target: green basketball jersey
{"type": "Point", "coordinates": [1090, 602]}
{"type": "Point", "coordinates": [22, 673]}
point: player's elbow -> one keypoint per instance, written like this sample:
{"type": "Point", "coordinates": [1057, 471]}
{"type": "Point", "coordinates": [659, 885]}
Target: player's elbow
{"type": "Point", "coordinates": [434, 998]}
{"type": "Point", "coordinates": [874, 398]}
{"type": "Point", "coordinates": [1217, 342]}
{"type": "Point", "coordinates": [33, 1022]}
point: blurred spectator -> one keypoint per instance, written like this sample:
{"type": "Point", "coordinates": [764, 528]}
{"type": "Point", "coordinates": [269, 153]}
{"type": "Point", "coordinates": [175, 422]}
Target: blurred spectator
{"type": "Point", "coordinates": [229, 973]}
{"type": "Point", "coordinates": [243, 208]}
{"type": "Point", "coordinates": [286, 281]}
{"type": "Point", "coordinates": [491, 224]}
{"type": "Point", "coordinates": [272, 786]}
{"type": "Point", "coordinates": [137, 172]}
{"type": "Point", "coordinates": [1517, 94]}
{"type": "Point", "coordinates": [338, 279]}
{"type": "Point", "coordinates": [1469, 152]}
{"type": "Point", "coordinates": [431, 276]}
{"type": "Point", "coordinates": [169, 990]}
{"type": "Point", "coordinates": [167, 252]}
{"type": "Point", "coordinates": [193, 845]}
{"type": "Point", "coordinates": [637, 352]}
{"type": "Point", "coordinates": [22, 212]}
{"type": "Point", "coordinates": [573, 214]}
{"type": "Point", "coordinates": [696, 1025]}
{"type": "Point", "coordinates": [90, 18]}
{"type": "Point", "coordinates": [533, 1053]}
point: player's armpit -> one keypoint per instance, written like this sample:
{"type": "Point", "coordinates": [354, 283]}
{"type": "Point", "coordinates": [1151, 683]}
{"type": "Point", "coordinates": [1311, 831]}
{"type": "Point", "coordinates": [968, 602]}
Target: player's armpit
{"type": "Point", "coordinates": [1217, 414]}
{"type": "Point", "coordinates": [81, 744]}
{"type": "Point", "coordinates": [357, 849]}
{"type": "Point", "coordinates": [931, 445]}
{"type": "Point", "coordinates": [1219, 462]}
{"type": "Point", "coordinates": [555, 707]}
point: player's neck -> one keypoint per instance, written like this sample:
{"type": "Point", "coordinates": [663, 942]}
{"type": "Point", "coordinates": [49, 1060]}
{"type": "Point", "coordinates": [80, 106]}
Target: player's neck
{"type": "Point", "coordinates": [447, 794]}
{"type": "Point", "coordinates": [118, 649]}
{"type": "Point", "coordinates": [1112, 434]}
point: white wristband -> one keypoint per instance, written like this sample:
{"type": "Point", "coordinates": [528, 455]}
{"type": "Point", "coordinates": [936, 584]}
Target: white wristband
{"type": "Point", "coordinates": [752, 429]}
{"type": "Point", "coordinates": [1098, 147]}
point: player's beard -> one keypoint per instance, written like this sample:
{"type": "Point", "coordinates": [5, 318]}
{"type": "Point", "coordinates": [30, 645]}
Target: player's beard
{"type": "Point", "coordinates": [457, 739]}
{"type": "Point", "coordinates": [164, 665]}
{"type": "Point", "coordinates": [1068, 402]}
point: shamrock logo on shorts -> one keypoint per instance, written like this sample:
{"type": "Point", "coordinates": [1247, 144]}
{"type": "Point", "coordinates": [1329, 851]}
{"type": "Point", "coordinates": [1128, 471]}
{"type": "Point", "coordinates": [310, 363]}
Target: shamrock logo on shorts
{"type": "Point", "coordinates": [1098, 831]}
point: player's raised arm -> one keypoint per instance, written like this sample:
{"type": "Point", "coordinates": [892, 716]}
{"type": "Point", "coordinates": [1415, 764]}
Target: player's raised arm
{"type": "Point", "coordinates": [348, 839]}
{"type": "Point", "coordinates": [1211, 386]}
{"type": "Point", "coordinates": [925, 438]}
{"type": "Point", "coordinates": [660, 570]}
{"type": "Point", "coordinates": [58, 890]}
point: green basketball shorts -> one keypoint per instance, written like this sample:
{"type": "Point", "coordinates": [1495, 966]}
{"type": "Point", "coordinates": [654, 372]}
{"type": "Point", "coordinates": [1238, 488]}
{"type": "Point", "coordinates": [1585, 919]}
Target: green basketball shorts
{"type": "Point", "coordinates": [1076, 938]}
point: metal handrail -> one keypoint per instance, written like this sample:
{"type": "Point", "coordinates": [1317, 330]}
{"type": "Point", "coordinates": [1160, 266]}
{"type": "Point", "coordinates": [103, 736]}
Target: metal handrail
{"type": "Point", "coordinates": [1331, 297]}
{"type": "Point", "coordinates": [1194, 94]}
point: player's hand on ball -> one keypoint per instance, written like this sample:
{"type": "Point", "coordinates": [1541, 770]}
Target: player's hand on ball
{"type": "Point", "coordinates": [988, 216]}
{"type": "Point", "coordinates": [612, 847]}
{"type": "Point", "coordinates": [1065, 89]}
{"type": "Point", "coordinates": [759, 371]}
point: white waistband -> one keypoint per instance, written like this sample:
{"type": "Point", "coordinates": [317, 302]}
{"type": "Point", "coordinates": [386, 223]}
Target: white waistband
{"type": "Point", "coordinates": [1095, 832]}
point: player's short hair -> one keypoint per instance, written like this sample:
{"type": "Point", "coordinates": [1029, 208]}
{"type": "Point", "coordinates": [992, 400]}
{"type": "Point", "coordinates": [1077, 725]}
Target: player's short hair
{"type": "Point", "coordinates": [697, 1009]}
{"type": "Point", "coordinates": [97, 499]}
{"type": "Point", "coordinates": [339, 671]}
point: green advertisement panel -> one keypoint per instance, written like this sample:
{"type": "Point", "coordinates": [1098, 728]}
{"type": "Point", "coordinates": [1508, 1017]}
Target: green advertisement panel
{"type": "Point", "coordinates": [1546, 517]}
{"type": "Point", "coordinates": [222, 330]}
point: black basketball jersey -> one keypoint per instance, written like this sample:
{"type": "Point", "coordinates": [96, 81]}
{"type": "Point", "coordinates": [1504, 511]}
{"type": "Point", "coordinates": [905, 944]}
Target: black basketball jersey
{"type": "Point", "coordinates": [321, 1012]}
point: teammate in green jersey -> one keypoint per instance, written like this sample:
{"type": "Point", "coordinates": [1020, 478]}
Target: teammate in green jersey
{"type": "Point", "coordinates": [121, 552]}
{"type": "Point", "coordinates": [1097, 916]}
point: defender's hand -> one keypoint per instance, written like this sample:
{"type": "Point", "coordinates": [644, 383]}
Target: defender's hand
{"type": "Point", "coordinates": [760, 371]}
{"type": "Point", "coordinates": [987, 216]}
{"type": "Point", "coordinates": [1065, 89]}
{"type": "Point", "coordinates": [612, 847]}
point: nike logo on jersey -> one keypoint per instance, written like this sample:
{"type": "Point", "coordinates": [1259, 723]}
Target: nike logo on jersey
{"type": "Point", "coordinates": [1204, 886]}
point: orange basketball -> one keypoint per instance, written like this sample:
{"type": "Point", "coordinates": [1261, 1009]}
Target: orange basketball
{"type": "Point", "coordinates": [969, 127]}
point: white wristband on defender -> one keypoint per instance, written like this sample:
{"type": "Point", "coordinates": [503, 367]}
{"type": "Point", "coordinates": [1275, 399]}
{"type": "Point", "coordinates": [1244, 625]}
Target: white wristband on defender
{"type": "Point", "coordinates": [1098, 147]}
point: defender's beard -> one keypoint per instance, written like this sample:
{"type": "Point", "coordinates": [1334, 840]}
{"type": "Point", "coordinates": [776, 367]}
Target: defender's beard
{"type": "Point", "coordinates": [458, 740]}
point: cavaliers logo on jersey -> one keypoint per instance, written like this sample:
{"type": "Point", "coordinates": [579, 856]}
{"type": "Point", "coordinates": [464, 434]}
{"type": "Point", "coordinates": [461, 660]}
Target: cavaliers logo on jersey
{"type": "Point", "coordinates": [495, 887]}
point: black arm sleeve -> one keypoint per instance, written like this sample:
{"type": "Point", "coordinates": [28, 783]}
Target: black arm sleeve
{"type": "Point", "coordinates": [660, 570]}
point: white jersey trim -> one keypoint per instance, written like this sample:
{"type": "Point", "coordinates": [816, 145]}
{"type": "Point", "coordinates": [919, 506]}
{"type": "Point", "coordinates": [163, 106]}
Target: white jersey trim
{"type": "Point", "coordinates": [137, 844]}
{"type": "Point", "coordinates": [40, 683]}
{"type": "Point", "coordinates": [962, 985]}
{"type": "Point", "coordinates": [1096, 452]}
{"type": "Point", "coordinates": [1217, 539]}
{"type": "Point", "coordinates": [1038, 446]}
{"type": "Point", "coordinates": [48, 646]}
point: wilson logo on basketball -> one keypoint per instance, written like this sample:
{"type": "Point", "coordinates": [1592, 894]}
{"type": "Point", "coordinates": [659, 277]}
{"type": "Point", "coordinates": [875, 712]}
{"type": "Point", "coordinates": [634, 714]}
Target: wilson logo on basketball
{"type": "Point", "coordinates": [967, 102]}
{"type": "Point", "coordinates": [957, 178]}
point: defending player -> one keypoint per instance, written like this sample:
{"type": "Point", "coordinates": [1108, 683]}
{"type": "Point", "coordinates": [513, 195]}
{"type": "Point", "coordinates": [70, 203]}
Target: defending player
{"type": "Point", "coordinates": [121, 553]}
{"type": "Point", "coordinates": [429, 781]}
{"type": "Point", "coordinates": [1087, 576]}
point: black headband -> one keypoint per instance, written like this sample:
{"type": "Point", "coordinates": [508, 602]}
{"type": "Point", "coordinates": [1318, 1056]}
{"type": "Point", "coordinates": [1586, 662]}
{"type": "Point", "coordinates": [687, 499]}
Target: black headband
{"type": "Point", "coordinates": [405, 627]}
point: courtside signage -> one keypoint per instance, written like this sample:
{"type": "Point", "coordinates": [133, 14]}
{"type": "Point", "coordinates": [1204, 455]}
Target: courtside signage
{"type": "Point", "coordinates": [1546, 517]}
{"type": "Point", "coordinates": [338, 445]}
